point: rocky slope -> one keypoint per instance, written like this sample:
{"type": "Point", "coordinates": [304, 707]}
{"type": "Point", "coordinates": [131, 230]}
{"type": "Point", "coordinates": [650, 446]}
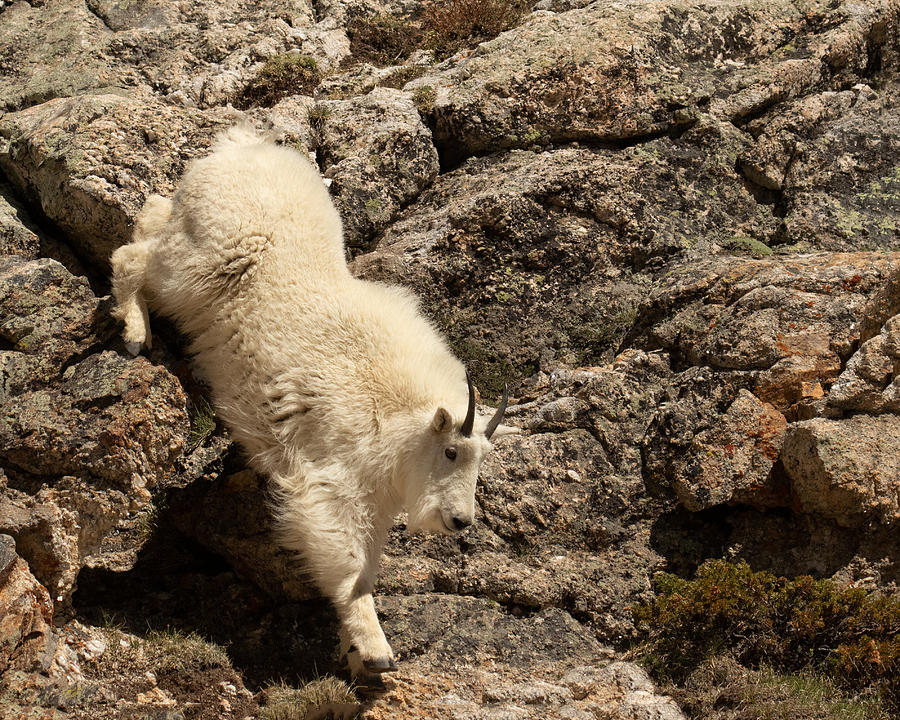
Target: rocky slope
{"type": "Point", "coordinates": [672, 226]}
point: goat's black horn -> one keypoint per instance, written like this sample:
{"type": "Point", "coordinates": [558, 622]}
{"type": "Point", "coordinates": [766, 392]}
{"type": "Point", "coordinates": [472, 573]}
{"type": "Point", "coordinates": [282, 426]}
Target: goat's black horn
{"type": "Point", "coordinates": [469, 422]}
{"type": "Point", "coordinates": [498, 416]}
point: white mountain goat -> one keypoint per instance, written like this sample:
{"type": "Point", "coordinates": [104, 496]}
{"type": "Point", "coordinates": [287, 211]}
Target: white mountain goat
{"type": "Point", "coordinates": [338, 389]}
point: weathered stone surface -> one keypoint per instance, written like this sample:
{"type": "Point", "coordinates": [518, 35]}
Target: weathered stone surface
{"type": "Point", "coordinates": [541, 666]}
{"type": "Point", "coordinates": [871, 380]}
{"type": "Point", "coordinates": [378, 155]}
{"type": "Point", "coordinates": [619, 71]}
{"type": "Point", "coordinates": [17, 236]}
{"type": "Point", "coordinates": [27, 639]}
{"type": "Point", "coordinates": [91, 161]}
{"type": "Point", "coordinates": [732, 461]}
{"type": "Point", "coordinates": [847, 470]}
{"type": "Point", "coordinates": [520, 257]}
{"type": "Point", "coordinates": [48, 319]}
{"type": "Point", "coordinates": [199, 53]}
{"type": "Point", "coordinates": [84, 434]}
{"type": "Point", "coordinates": [791, 321]}
{"type": "Point", "coordinates": [829, 161]}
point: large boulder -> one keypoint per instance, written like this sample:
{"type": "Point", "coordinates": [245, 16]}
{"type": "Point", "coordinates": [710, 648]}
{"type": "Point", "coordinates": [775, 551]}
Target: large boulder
{"type": "Point", "coordinates": [623, 72]}
{"type": "Point", "coordinates": [377, 154]}
{"type": "Point", "coordinates": [91, 161]}
{"type": "Point", "coordinates": [847, 470]}
{"type": "Point", "coordinates": [85, 434]}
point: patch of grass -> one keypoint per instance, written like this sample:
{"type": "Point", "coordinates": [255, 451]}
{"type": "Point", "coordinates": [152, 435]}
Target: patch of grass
{"type": "Point", "coordinates": [287, 703]}
{"type": "Point", "coordinates": [148, 521]}
{"type": "Point", "coordinates": [172, 649]}
{"type": "Point", "coordinates": [383, 39]}
{"type": "Point", "coordinates": [721, 688]}
{"type": "Point", "coordinates": [317, 116]}
{"type": "Point", "coordinates": [845, 634]}
{"type": "Point", "coordinates": [280, 77]}
{"type": "Point", "coordinates": [455, 24]}
{"type": "Point", "coordinates": [160, 650]}
{"type": "Point", "coordinates": [399, 77]}
{"type": "Point", "coordinates": [203, 424]}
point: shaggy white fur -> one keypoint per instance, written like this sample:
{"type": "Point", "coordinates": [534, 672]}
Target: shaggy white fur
{"type": "Point", "coordinates": [338, 388]}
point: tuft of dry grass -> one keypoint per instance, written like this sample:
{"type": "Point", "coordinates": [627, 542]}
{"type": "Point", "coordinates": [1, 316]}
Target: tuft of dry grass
{"type": "Point", "coordinates": [723, 689]}
{"type": "Point", "coordinates": [160, 650]}
{"type": "Point", "coordinates": [203, 424]}
{"type": "Point", "coordinates": [325, 697]}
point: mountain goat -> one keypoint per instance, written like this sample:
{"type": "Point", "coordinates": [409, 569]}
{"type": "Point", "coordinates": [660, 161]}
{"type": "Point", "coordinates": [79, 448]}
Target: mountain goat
{"type": "Point", "coordinates": [338, 389]}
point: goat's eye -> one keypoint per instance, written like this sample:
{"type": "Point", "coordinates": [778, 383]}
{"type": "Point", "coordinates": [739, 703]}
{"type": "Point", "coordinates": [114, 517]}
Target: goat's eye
{"type": "Point", "coordinates": [450, 452]}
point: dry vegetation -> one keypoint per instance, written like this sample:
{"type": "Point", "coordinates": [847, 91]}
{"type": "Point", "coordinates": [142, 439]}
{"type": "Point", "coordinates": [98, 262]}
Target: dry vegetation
{"type": "Point", "coordinates": [829, 643]}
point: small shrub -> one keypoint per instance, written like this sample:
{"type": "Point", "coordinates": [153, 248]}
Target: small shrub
{"type": "Point", "coordinates": [383, 39]}
{"type": "Point", "coordinates": [423, 98]}
{"type": "Point", "coordinates": [845, 633]}
{"type": "Point", "coordinates": [280, 77]}
{"type": "Point", "coordinates": [454, 24]}
{"type": "Point", "coordinates": [722, 688]}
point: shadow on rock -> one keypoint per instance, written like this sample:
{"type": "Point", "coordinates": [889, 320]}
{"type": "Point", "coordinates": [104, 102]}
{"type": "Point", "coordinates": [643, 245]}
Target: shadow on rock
{"type": "Point", "coordinates": [778, 541]}
{"type": "Point", "coordinates": [178, 585]}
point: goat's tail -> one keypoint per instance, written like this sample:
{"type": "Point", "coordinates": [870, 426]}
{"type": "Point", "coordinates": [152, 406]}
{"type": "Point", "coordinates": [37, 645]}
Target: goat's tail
{"type": "Point", "coordinates": [129, 265]}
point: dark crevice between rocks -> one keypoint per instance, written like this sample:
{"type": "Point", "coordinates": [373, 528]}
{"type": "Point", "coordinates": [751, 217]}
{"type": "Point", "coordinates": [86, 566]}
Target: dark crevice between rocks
{"type": "Point", "coordinates": [777, 540]}
{"type": "Point", "coordinates": [773, 197]}
{"type": "Point", "coordinates": [53, 241]}
{"type": "Point", "coordinates": [451, 155]}
{"type": "Point", "coordinates": [93, 11]}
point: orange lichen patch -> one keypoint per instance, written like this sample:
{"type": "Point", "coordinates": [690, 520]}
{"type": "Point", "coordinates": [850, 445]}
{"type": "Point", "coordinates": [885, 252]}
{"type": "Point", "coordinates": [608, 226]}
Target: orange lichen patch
{"type": "Point", "coordinates": [795, 378]}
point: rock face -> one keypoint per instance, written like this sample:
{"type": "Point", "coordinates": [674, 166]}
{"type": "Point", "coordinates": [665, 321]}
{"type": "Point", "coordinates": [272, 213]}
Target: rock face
{"type": "Point", "coordinates": [672, 227]}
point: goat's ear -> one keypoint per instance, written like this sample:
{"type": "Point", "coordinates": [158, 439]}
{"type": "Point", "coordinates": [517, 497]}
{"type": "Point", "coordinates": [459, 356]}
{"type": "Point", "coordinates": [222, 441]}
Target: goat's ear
{"type": "Point", "coordinates": [442, 422]}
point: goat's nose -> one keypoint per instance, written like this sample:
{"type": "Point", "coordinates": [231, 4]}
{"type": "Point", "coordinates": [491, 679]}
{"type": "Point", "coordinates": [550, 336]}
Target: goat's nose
{"type": "Point", "coordinates": [461, 523]}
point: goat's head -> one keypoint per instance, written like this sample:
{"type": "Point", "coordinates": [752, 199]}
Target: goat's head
{"type": "Point", "coordinates": [440, 493]}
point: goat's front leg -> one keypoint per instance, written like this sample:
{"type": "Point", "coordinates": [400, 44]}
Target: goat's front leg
{"type": "Point", "coordinates": [342, 547]}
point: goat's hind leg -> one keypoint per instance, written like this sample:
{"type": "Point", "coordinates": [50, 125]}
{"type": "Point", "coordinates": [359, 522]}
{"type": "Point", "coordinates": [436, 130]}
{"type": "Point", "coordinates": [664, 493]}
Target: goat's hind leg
{"type": "Point", "coordinates": [129, 265]}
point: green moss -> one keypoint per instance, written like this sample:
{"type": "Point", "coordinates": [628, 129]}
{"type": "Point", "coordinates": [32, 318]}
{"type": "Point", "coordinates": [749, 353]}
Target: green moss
{"type": "Point", "coordinates": [845, 634]}
{"type": "Point", "coordinates": [532, 136]}
{"type": "Point", "coordinates": [489, 372]}
{"type": "Point", "coordinates": [885, 189]}
{"type": "Point", "coordinates": [747, 245]}
{"type": "Point", "coordinates": [593, 334]}
{"type": "Point", "coordinates": [280, 77]}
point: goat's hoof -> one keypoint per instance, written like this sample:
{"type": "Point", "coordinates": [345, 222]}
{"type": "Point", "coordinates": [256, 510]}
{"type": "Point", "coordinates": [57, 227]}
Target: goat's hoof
{"type": "Point", "coordinates": [134, 348]}
{"type": "Point", "coordinates": [380, 665]}
{"type": "Point", "coordinates": [369, 683]}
